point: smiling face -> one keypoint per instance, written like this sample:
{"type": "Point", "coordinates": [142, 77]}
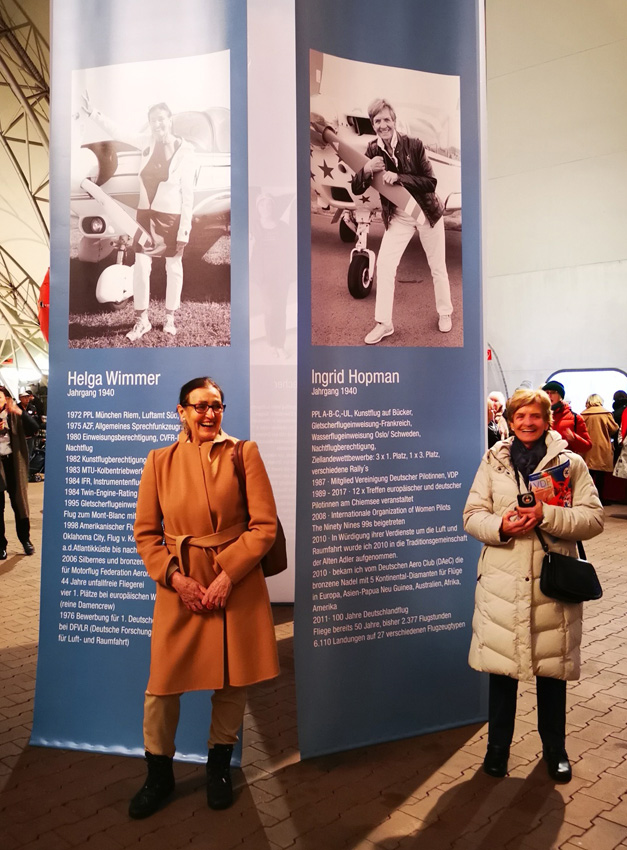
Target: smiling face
{"type": "Point", "coordinates": [528, 424]}
{"type": "Point", "coordinates": [202, 427]}
{"type": "Point", "coordinates": [160, 124]}
{"type": "Point", "coordinates": [384, 125]}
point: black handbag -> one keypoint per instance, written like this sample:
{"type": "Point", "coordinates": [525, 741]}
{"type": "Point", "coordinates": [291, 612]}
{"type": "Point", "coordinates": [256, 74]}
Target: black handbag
{"type": "Point", "coordinates": [568, 579]}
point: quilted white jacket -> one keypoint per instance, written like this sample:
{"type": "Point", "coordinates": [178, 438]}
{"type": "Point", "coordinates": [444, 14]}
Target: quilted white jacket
{"type": "Point", "coordinates": [517, 630]}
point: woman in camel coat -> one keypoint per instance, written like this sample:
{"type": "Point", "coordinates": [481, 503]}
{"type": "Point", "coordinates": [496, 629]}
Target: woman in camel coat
{"type": "Point", "coordinates": [601, 428]}
{"type": "Point", "coordinates": [518, 633]}
{"type": "Point", "coordinates": [212, 623]}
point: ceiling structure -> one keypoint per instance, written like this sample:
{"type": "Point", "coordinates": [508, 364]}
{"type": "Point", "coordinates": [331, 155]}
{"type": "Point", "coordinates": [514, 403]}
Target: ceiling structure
{"type": "Point", "coordinates": [24, 182]}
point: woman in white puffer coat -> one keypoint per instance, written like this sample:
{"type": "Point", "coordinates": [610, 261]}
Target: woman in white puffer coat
{"type": "Point", "coordinates": [518, 633]}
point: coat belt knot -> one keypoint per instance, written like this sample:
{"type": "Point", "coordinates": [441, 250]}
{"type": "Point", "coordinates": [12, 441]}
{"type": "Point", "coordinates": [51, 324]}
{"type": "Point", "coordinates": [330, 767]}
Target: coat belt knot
{"type": "Point", "coordinates": [181, 542]}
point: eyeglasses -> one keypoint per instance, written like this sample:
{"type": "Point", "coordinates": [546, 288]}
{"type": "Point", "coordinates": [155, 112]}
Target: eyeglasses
{"type": "Point", "coordinates": [204, 406]}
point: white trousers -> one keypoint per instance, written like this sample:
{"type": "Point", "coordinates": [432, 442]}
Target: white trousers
{"type": "Point", "coordinates": [395, 239]}
{"type": "Point", "coordinates": [141, 281]}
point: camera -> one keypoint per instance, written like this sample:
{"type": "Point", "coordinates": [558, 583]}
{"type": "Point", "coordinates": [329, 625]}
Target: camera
{"type": "Point", "coordinates": [526, 500]}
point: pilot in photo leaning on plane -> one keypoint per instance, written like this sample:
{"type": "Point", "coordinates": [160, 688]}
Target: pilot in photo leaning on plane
{"type": "Point", "coordinates": [166, 195]}
{"type": "Point", "coordinates": [404, 161]}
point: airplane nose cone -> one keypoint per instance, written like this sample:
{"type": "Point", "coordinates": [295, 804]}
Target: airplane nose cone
{"type": "Point", "coordinates": [84, 165]}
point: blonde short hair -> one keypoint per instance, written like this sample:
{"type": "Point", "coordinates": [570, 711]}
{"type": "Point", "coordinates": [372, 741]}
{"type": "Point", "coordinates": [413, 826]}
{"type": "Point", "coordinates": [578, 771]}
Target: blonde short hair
{"type": "Point", "coordinates": [523, 397]}
{"type": "Point", "coordinates": [594, 399]}
{"type": "Point", "coordinates": [378, 105]}
{"type": "Point", "coordinates": [498, 397]}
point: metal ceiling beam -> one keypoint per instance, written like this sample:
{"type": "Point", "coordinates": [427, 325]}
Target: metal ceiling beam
{"type": "Point", "coordinates": [24, 140]}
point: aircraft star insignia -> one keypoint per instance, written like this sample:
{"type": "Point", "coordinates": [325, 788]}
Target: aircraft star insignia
{"type": "Point", "coordinates": [327, 171]}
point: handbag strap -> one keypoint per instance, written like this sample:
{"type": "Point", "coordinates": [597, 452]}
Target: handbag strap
{"type": "Point", "coordinates": [240, 470]}
{"type": "Point", "coordinates": [541, 539]}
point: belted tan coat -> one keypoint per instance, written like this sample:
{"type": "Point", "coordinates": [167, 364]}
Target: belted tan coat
{"type": "Point", "coordinates": [190, 490]}
{"type": "Point", "coordinates": [517, 631]}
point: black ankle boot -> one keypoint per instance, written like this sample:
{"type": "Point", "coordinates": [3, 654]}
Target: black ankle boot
{"type": "Point", "coordinates": [557, 764]}
{"type": "Point", "coordinates": [219, 788]}
{"type": "Point", "coordinates": [156, 789]}
{"type": "Point", "coordinates": [495, 761]}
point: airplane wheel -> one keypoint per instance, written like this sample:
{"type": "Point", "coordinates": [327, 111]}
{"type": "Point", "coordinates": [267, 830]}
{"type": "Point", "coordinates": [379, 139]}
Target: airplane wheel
{"type": "Point", "coordinates": [347, 234]}
{"type": "Point", "coordinates": [359, 280]}
{"type": "Point", "coordinates": [115, 284]}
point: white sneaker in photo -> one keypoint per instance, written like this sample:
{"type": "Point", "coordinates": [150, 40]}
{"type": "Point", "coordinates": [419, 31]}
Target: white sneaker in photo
{"type": "Point", "coordinates": [378, 333]}
{"type": "Point", "coordinates": [445, 324]}
{"type": "Point", "coordinates": [168, 325]}
{"type": "Point", "coordinates": [142, 326]}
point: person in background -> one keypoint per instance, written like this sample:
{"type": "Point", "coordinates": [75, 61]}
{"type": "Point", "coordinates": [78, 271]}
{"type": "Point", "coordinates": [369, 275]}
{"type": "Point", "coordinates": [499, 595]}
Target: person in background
{"type": "Point", "coordinates": [26, 403]}
{"type": "Point", "coordinates": [202, 543]}
{"type": "Point", "coordinates": [565, 421]}
{"type": "Point", "coordinates": [27, 406]}
{"type": "Point", "coordinates": [517, 632]}
{"type": "Point", "coordinates": [601, 428]}
{"type": "Point", "coordinates": [497, 424]}
{"type": "Point", "coordinates": [37, 404]}
{"type": "Point", "coordinates": [619, 407]}
{"type": "Point", "coordinates": [15, 426]}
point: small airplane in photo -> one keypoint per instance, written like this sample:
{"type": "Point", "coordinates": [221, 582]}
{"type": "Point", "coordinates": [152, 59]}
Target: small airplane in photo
{"type": "Point", "coordinates": [105, 193]}
{"type": "Point", "coordinates": [338, 144]}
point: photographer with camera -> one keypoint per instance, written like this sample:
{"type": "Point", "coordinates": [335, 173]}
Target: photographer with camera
{"type": "Point", "coordinates": [518, 632]}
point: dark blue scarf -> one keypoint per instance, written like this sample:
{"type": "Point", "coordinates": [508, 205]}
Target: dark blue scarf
{"type": "Point", "coordinates": [524, 459]}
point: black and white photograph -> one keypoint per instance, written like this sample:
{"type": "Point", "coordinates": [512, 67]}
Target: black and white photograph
{"type": "Point", "coordinates": [385, 166]}
{"type": "Point", "coordinates": [150, 245]}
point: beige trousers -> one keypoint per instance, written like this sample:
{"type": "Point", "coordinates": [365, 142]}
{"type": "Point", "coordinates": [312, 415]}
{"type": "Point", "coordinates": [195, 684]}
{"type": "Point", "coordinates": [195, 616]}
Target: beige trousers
{"type": "Point", "coordinates": [161, 717]}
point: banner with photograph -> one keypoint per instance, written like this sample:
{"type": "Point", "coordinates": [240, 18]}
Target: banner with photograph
{"type": "Point", "coordinates": [390, 417]}
{"type": "Point", "coordinates": [149, 288]}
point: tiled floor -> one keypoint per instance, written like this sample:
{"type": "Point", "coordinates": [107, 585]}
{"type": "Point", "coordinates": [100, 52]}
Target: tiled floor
{"type": "Point", "coordinates": [425, 793]}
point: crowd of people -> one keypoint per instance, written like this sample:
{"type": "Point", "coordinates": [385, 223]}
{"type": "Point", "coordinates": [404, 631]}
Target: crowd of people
{"type": "Point", "coordinates": [597, 434]}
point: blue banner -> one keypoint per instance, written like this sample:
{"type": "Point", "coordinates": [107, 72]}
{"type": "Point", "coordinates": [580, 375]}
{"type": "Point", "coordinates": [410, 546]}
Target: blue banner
{"type": "Point", "coordinates": [385, 320]}
{"type": "Point", "coordinates": [391, 424]}
{"type": "Point", "coordinates": [119, 69]}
